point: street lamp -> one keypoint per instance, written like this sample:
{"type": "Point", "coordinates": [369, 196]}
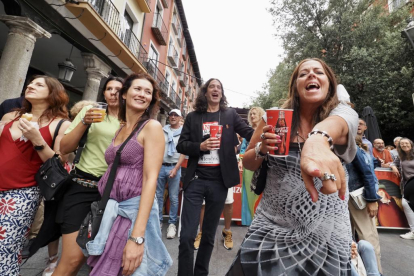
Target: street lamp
{"type": "Point", "coordinates": [66, 69]}
{"type": "Point", "coordinates": [408, 32]}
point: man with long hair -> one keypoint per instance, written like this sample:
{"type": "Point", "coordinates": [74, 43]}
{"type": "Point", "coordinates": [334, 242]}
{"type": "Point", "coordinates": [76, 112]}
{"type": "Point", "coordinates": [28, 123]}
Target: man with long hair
{"type": "Point", "coordinates": [212, 169]}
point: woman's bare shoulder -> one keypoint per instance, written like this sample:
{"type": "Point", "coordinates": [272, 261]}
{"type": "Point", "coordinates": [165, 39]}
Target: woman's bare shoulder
{"type": "Point", "coordinates": [10, 116]}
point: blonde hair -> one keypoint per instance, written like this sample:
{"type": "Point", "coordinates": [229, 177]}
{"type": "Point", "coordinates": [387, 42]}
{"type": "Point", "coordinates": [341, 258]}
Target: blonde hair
{"type": "Point", "coordinates": [77, 107]}
{"type": "Point", "coordinates": [260, 113]}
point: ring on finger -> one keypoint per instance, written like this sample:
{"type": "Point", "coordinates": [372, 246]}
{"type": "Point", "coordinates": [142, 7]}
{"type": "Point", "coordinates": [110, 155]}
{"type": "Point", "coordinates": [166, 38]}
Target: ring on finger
{"type": "Point", "coordinates": [327, 176]}
{"type": "Point", "coordinates": [262, 136]}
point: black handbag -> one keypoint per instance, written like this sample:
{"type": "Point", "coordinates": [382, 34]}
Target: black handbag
{"type": "Point", "coordinates": [258, 182]}
{"type": "Point", "coordinates": [52, 177]}
{"type": "Point", "coordinates": [91, 223]}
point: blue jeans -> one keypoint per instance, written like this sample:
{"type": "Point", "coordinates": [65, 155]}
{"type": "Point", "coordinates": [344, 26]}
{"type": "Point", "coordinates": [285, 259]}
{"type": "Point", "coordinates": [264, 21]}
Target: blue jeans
{"type": "Point", "coordinates": [367, 253]}
{"type": "Point", "coordinates": [173, 191]}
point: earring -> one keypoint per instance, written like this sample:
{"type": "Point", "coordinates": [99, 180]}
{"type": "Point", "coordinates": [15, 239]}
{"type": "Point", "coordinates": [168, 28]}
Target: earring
{"type": "Point", "coordinates": [146, 110]}
{"type": "Point", "coordinates": [123, 101]}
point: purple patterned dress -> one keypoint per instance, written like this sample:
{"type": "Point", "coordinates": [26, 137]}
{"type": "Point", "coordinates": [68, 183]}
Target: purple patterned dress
{"type": "Point", "coordinates": [127, 184]}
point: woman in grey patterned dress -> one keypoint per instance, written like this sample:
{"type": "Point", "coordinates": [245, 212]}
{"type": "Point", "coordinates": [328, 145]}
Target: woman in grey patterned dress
{"type": "Point", "coordinates": [302, 225]}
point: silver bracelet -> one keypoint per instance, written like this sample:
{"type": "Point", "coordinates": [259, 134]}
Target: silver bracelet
{"type": "Point", "coordinates": [259, 154]}
{"type": "Point", "coordinates": [324, 134]}
{"type": "Point", "coordinates": [83, 122]}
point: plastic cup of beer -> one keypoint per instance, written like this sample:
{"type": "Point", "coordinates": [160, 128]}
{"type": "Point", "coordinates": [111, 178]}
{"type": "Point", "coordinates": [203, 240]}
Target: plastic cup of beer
{"type": "Point", "coordinates": [215, 131]}
{"type": "Point", "coordinates": [281, 122]}
{"type": "Point", "coordinates": [99, 107]}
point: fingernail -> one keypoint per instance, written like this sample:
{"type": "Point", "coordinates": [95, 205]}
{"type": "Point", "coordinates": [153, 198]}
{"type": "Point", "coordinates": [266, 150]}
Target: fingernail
{"type": "Point", "coordinates": [313, 200]}
{"type": "Point", "coordinates": [343, 197]}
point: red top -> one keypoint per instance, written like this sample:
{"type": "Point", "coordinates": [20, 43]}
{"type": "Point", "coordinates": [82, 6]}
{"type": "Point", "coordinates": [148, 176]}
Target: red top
{"type": "Point", "coordinates": [19, 162]}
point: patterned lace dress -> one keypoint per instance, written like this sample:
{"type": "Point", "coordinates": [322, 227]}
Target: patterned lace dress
{"type": "Point", "coordinates": [290, 235]}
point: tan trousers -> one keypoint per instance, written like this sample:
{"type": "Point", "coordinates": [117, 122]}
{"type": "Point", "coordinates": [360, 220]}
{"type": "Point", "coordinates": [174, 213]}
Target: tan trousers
{"type": "Point", "coordinates": [364, 226]}
{"type": "Point", "coordinates": [38, 221]}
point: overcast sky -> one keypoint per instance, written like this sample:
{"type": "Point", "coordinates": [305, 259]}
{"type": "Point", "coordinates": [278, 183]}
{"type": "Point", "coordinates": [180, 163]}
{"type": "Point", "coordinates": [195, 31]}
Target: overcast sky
{"type": "Point", "coordinates": [234, 41]}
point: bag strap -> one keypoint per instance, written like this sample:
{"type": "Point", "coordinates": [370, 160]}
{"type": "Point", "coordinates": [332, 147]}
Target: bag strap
{"type": "Point", "coordinates": [57, 132]}
{"type": "Point", "coordinates": [112, 173]}
{"type": "Point", "coordinates": [81, 146]}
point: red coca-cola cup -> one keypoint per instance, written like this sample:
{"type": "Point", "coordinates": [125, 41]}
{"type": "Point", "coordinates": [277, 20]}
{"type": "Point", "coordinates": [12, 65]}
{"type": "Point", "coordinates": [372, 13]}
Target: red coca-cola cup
{"type": "Point", "coordinates": [215, 131]}
{"type": "Point", "coordinates": [281, 122]}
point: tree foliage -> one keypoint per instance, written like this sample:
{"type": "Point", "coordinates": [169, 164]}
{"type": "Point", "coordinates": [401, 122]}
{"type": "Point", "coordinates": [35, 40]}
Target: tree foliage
{"type": "Point", "coordinates": [362, 43]}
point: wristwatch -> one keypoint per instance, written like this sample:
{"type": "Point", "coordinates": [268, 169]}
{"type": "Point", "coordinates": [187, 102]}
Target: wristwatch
{"type": "Point", "coordinates": [39, 148]}
{"type": "Point", "coordinates": [137, 240]}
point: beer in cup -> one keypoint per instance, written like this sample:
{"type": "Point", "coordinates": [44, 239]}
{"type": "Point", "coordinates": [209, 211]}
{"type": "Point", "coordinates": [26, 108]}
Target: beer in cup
{"type": "Point", "coordinates": [99, 108]}
{"type": "Point", "coordinates": [281, 122]}
{"type": "Point", "coordinates": [215, 131]}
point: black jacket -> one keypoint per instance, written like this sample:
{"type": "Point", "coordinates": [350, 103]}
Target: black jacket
{"type": "Point", "coordinates": [191, 138]}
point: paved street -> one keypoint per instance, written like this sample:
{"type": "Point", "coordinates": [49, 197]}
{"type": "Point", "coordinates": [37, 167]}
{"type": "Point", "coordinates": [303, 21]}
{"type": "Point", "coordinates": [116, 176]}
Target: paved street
{"type": "Point", "coordinates": [396, 254]}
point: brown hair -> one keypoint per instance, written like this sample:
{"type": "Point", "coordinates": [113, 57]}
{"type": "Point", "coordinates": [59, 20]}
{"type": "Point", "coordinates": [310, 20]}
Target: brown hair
{"type": "Point", "coordinates": [358, 140]}
{"type": "Point", "coordinates": [292, 102]}
{"type": "Point", "coordinates": [201, 104]}
{"type": "Point", "coordinates": [402, 154]}
{"type": "Point", "coordinates": [57, 100]}
{"type": "Point", "coordinates": [152, 109]}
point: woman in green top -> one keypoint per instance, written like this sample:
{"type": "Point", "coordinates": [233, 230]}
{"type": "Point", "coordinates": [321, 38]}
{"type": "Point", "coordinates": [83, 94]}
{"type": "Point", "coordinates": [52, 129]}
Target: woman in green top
{"type": "Point", "coordinates": [92, 165]}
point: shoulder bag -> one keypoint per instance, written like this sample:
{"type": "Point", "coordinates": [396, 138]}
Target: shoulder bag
{"type": "Point", "coordinates": [357, 198]}
{"type": "Point", "coordinates": [258, 182]}
{"type": "Point", "coordinates": [52, 177]}
{"type": "Point", "coordinates": [91, 223]}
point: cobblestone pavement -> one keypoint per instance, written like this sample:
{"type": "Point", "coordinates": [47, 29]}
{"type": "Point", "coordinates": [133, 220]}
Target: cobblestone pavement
{"type": "Point", "coordinates": [396, 254]}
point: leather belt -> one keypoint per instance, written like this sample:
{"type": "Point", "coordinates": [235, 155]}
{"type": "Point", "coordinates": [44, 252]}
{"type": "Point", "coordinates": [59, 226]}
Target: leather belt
{"type": "Point", "coordinates": [169, 164]}
{"type": "Point", "coordinates": [86, 182]}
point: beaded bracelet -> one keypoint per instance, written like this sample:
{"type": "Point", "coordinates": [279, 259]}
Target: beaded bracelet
{"type": "Point", "coordinates": [323, 133]}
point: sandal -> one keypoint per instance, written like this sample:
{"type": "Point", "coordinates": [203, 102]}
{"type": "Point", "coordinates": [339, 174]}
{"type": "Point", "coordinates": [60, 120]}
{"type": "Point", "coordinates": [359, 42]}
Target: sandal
{"type": "Point", "coordinates": [50, 265]}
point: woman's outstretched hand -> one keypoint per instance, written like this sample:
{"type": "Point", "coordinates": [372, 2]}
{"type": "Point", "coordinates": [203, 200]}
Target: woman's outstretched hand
{"type": "Point", "coordinates": [316, 159]}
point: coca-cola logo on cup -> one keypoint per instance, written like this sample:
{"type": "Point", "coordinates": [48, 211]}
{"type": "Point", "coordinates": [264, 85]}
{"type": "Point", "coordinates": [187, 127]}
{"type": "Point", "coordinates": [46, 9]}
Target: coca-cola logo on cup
{"type": "Point", "coordinates": [281, 130]}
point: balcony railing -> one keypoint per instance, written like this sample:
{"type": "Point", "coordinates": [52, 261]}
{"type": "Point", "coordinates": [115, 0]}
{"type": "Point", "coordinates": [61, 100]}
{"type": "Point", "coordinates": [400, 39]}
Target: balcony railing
{"type": "Point", "coordinates": [172, 55]}
{"type": "Point", "coordinates": [153, 70]}
{"type": "Point", "coordinates": [159, 29]}
{"type": "Point", "coordinates": [178, 70]}
{"type": "Point", "coordinates": [177, 101]}
{"type": "Point", "coordinates": [184, 51]}
{"type": "Point", "coordinates": [179, 36]}
{"type": "Point", "coordinates": [109, 13]}
{"type": "Point", "coordinates": [183, 80]}
{"type": "Point", "coordinates": [174, 24]}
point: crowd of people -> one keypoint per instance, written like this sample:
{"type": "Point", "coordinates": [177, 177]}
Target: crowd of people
{"type": "Point", "coordinates": [305, 222]}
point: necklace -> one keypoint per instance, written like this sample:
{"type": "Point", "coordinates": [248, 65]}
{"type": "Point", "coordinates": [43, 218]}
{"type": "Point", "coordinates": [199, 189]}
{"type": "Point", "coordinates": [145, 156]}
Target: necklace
{"type": "Point", "coordinates": [297, 133]}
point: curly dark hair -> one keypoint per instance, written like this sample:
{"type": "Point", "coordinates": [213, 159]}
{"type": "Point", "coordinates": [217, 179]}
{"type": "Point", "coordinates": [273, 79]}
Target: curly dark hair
{"type": "Point", "coordinates": [152, 109]}
{"type": "Point", "coordinates": [201, 104]}
{"type": "Point", "coordinates": [57, 100]}
{"type": "Point", "coordinates": [292, 102]}
{"type": "Point", "coordinates": [402, 154]}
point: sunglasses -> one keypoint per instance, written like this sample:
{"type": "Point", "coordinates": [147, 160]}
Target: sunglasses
{"type": "Point", "coordinates": [174, 115]}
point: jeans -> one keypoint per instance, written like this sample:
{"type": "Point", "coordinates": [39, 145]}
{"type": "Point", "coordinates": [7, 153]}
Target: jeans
{"type": "Point", "coordinates": [367, 253]}
{"type": "Point", "coordinates": [215, 194]}
{"type": "Point", "coordinates": [173, 191]}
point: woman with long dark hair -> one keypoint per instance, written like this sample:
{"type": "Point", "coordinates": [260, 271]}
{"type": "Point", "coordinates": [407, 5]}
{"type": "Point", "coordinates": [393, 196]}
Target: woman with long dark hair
{"type": "Point", "coordinates": [405, 162]}
{"type": "Point", "coordinates": [129, 240]}
{"type": "Point", "coordinates": [302, 225]}
{"type": "Point", "coordinates": [83, 190]}
{"type": "Point", "coordinates": [24, 146]}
